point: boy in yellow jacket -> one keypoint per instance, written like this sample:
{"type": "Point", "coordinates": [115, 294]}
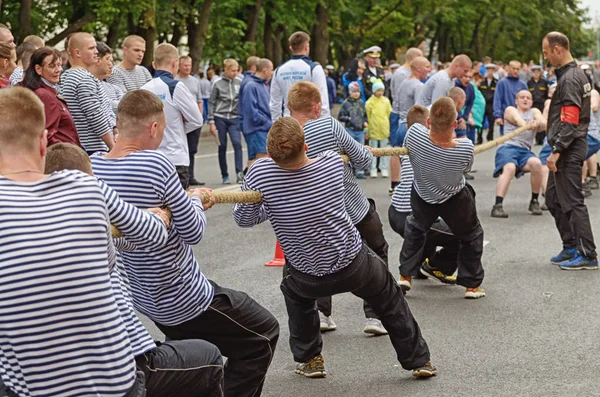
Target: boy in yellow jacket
{"type": "Point", "coordinates": [378, 113]}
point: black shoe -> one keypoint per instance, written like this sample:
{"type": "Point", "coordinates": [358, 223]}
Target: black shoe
{"type": "Point", "coordinates": [434, 273]}
{"type": "Point", "coordinates": [194, 182]}
{"type": "Point", "coordinates": [498, 211]}
{"type": "Point", "coordinates": [490, 136]}
{"type": "Point", "coordinates": [479, 139]}
{"type": "Point", "coordinates": [592, 182]}
{"type": "Point", "coordinates": [534, 207]}
{"type": "Point", "coordinates": [468, 176]}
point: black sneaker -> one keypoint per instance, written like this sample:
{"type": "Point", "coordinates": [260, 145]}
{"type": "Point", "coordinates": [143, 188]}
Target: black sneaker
{"type": "Point", "coordinates": [498, 211]}
{"type": "Point", "coordinates": [315, 368]}
{"type": "Point", "coordinates": [194, 182]}
{"type": "Point", "coordinates": [534, 207]}
{"type": "Point", "coordinates": [544, 207]}
{"type": "Point", "coordinates": [592, 182]}
{"type": "Point", "coordinates": [426, 371]}
{"type": "Point", "coordinates": [433, 273]}
{"type": "Point", "coordinates": [479, 139]}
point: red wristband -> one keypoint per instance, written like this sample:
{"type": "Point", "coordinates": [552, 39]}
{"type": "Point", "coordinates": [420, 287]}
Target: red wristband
{"type": "Point", "coordinates": [569, 114]}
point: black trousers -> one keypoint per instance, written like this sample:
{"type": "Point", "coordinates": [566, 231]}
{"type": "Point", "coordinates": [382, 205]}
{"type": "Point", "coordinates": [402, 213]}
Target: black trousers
{"type": "Point", "coordinates": [460, 214]}
{"type": "Point", "coordinates": [489, 115]}
{"type": "Point", "coordinates": [438, 235]}
{"type": "Point", "coordinates": [183, 172]}
{"type": "Point", "coordinates": [565, 200]}
{"type": "Point", "coordinates": [244, 331]}
{"type": "Point", "coordinates": [366, 277]}
{"type": "Point", "coordinates": [371, 231]}
{"type": "Point", "coordinates": [192, 139]}
{"type": "Point", "coordinates": [189, 368]}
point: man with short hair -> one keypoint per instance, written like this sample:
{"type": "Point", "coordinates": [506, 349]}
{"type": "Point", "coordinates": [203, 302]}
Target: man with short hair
{"type": "Point", "coordinates": [326, 133]}
{"type": "Point", "coordinates": [167, 284]}
{"type": "Point", "coordinates": [514, 158]}
{"type": "Point", "coordinates": [440, 83]}
{"type": "Point", "coordinates": [85, 95]}
{"type": "Point", "coordinates": [568, 122]}
{"type": "Point", "coordinates": [299, 68]}
{"type": "Point", "coordinates": [325, 254]}
{"type": "Point", "coordinates": [195, 87]}
{"type": "Point", "coordinates": [487, 87]}
{"type": "Point", "coordinates": [397, 131]}
{"type": "Point", "coordinates": [251, 65]}
{"type": "Point", "coordinates": [101, 70]}
{"type": "Point", "coordinates": [464, 129]}
{"type": "Point", "coordinates": [181, 109]}
{"type": "Point", "coordinates": [506, 92]}
{"type": "Point", "coordinates": [129, 75]}
{"type": "Point", "coordinates": [440, 190]}
{"type": "Point", "coordinates": [254, 110]}
{"type": "Point", "coordinates": [408, 94]}
{"type": "Point", "coordinates": [538, 86]}
{"type": "Point", "coordinates": [36, 40]}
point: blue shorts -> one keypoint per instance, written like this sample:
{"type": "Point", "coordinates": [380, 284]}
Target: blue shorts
{"type": "Point", "coordinates": [257, 143]}
{"type": "Point", "coordinates": [545, 153]}
{"type": "Point", "coordinates": [395, 130]}
{"type": "Point", "coordinates": [507, 154]}
{"type": "Point", "coordinates": [593, 146]}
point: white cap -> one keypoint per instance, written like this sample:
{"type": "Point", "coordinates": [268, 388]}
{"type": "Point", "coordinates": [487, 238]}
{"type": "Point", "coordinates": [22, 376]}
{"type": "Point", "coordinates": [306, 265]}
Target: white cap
{"type": "Point", "coordinates": [373, 51]}
{"type": "Point", "coordinates": [585, 66]}
{"type": "Point", "coordinates": [394, 66]}
{"type": "Point", "coordinates": [329, 67]}
{"type": "Point", "coordinates": [491, 66]}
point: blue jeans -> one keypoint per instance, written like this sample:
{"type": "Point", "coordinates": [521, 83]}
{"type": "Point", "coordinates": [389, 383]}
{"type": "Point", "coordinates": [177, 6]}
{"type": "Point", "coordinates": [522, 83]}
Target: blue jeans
{"type": "Point", "coordinates": [358, 136]}
{"type": "Point", "coordinates": [395, 130]}
{"type": "Point", "coordinates": [231, 127]}
{"type": "Point", "coordinates": [471, 132]}
{"type": "Point", "coordinates": [383, 161]}
{"type": "Point", "coordinates": [205, 108]}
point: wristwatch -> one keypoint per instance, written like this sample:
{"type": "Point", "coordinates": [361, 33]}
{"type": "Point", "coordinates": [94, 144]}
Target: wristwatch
{"type": "Point", "coordinates": [555, 149]}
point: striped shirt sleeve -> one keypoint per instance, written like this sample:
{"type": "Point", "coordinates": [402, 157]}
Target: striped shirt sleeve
{"type": "Point", "coordinates": [188, 214]}
{"type": "Point", "coordinates": [93, 108]}
{"type": "Point", "coordinates": [141, 229]}
{"type": "Point", "coordinates": [250, 214]}
{"type": "Point", "coordinates": [359, 155]}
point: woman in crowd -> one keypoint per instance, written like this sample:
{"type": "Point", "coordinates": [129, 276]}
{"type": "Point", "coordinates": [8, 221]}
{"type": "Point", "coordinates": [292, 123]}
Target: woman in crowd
{"type": "Point", "coordinates": [8, 63]}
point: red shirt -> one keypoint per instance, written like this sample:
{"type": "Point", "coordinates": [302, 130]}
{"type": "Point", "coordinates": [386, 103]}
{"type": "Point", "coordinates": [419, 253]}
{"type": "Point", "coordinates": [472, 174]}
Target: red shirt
{"type": "Point", "coordinates": [59, 122]}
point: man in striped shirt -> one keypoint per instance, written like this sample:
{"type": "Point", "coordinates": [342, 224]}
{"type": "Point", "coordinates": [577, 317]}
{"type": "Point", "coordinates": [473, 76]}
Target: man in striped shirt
{"type": "Point", "coordinates": [181, 368]}
{"type": "Point", "coordinates": [324, 252]}
{"type": "Point", "coordinates": [129, 75]}
{"type": "Point", "coordinates": [439, 265]}
{"type": "Point", "coordinates": [326, 133]}
{"type": "Point", "coordinates": [85, 95]}
{"type": "Point", "coordinates": [55, 254]}
{"type": "Point", "coordinates": [440, 190]}
{"type": "Point", "coordinates": [167, 284]}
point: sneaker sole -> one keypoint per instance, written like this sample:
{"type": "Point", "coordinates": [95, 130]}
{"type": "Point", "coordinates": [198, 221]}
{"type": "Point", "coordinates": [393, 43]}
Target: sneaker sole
{"type": "Point", "coordinates": [434, 277]}
{"type": "Point", "coordinates": [579, 268]}
{"type": "Point", "coordinates": [536, 213]}
{"type": "Point", "coordinates": [317, 374]}
{"type": "Point", "coordinates": [558, 263]}
{"type": "Point", "coordinates": [405, 288]}
{"type": "Point", "coordinates": [474, 296]}
{"type": "Point", "coordinates": [423, 373]}
{"type": "Point", "coordinates": [328, 329]}
{"type": "Point", "coordinates": [374, 331]}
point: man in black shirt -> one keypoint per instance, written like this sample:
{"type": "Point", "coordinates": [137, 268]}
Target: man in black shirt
{"type": "Point", "coordinates": [488, 87]}
{"type": "Point", "coordinates": [568, 121]}
{"type": "Point", "coordinates": [538, 86]}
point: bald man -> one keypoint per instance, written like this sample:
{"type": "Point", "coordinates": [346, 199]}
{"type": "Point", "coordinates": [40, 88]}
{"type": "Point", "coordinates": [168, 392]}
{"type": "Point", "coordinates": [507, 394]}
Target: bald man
{"type": "Point", "coordinates": [129, 75]}
{"type": "Point", "coordinates": [85, 95]}
{"type": "Point", "coordinates": [440, 83]}
{"type": "Point", "coordinates": [506, 92]}
{"type": "Point", "coordinates": [411, 90]}
{"type": "Point", "coordinates": [6, 36]}
{"type": "Point", "coordinates": [396, 135]}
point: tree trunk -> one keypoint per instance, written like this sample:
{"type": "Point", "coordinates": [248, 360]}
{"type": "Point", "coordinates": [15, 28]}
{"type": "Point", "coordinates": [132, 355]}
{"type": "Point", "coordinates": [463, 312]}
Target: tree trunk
{"type": "Point", "coordinates": [74, 27]}
{"type": "Point", "coordinates": [278, 47]}
{"type": "Point", "coordinates": [197, 32]}
{"type": "Point", "coordinates": [268, 35]}
{"type": "Point", "coordinates": [25, 27]}
{"type": "Point", "coordinates": [177, 33]}
{"type": "Point", "coordinates": [113, 32]}
{"type": "Point", "coordinates": [147, 30]}
{"type": "Point", "coordinates": [252, 27]}
{"type": "Point", "coordinates": [320, 36]}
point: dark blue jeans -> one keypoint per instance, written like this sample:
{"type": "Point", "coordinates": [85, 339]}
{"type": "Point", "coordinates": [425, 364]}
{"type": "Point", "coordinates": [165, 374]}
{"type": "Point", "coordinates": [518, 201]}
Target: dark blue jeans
{"type": "Point", "coordinates": [231, 127]}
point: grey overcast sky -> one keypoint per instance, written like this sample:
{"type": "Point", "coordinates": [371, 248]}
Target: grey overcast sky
{"type": "Point", "coordinates": [593, 6]}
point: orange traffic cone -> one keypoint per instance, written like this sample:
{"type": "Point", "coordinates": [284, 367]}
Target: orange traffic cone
{"type": "Point", "coordinates": [279, 259]}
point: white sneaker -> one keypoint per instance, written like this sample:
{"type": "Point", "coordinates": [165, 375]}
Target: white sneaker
{"type": "Point", "coordinates": [374, 327]}
{"type": "Point", "coordinates": [326, 323]}
{"type": "Point", "coordinates": [374, 173]}
{"type": "Point", "coordinates": [384, 173]}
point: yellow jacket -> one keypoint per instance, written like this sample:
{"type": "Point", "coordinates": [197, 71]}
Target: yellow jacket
{"type": "Point", "coordinates": [378, 115]}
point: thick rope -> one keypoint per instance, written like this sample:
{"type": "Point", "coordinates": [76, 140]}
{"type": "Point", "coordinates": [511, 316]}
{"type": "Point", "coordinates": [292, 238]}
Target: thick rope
{"type": "Point", "coordinates": [255, 197]}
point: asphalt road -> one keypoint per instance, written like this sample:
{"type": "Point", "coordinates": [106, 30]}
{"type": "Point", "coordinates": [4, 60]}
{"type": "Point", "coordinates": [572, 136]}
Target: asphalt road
{"type": "Point", "coordinates": [534, 334]}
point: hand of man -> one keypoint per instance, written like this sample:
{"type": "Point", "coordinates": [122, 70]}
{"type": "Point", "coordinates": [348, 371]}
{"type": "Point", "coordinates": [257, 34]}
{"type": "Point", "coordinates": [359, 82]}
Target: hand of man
{"type": "Point", "coordinates": [534, 124]}
{"type": "Point", "coordinates": [462, 125]}
{"type": "Point", "coordinates": [499, 121]}
{"type": "Point", "coordinates": [552, 160]}
{"type": "Point", "coordinates": [163, 215]}
{"type": "Point", "coordinates": [206, 196]}
{"type": "Point", "coordinates": [213, 129]}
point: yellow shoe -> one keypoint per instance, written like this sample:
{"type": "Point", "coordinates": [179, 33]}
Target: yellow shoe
{"type": "Point", "coordinates": [433, 273]}
{"type": "Point", "coordinates": [474, 293]}
{"type": "Point", "coordinates": [405, 283]}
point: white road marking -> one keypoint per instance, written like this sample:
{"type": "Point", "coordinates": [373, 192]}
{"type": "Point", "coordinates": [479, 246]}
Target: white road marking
{"type": "Point", "coordinates": [485, 242]}
{"type": "Point", "coordinates": [205, 156]}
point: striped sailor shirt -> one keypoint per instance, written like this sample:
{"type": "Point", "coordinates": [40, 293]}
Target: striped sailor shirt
{"type": "Point", "coordinates": [401, 196]}
{"type": "Point", "coordinates": [307, 211]}
{"type": "Point", "coordinates": [166, 284]}
{"type": "Point", "coordinates": [89, 107]}
{"type": "Point", "coordinates": [328, 134]}
{"type": "Point", "coordinates": [129, 79]}
{"type": "Point", "coordinates": [438, 171]}
{"type": "Point", "coordinates": [61, 333]}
